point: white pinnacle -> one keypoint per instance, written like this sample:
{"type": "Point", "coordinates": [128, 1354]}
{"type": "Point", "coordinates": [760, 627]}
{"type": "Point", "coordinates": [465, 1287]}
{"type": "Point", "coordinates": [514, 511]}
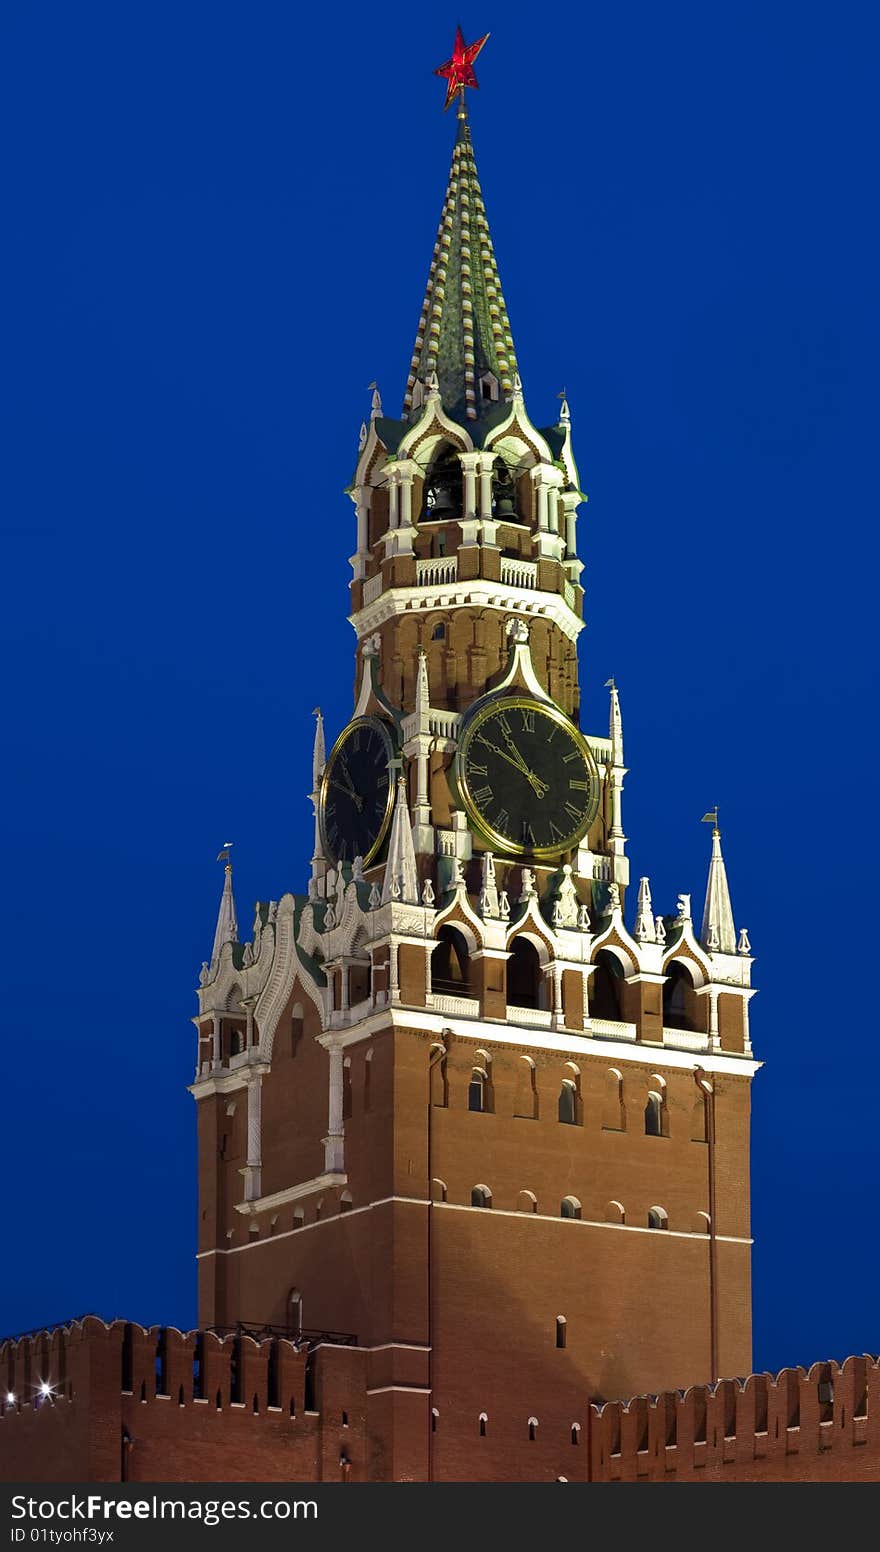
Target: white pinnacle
{"type": "Point", "coordinates": [318, 754]}
{"type": "Point", "coordinates": [401, 874]}
{"type": "Point", "coordinates": [644, 930]}
{"type": "Point", "coordinates": [227, 922]}
{"type": "Point", "coordinates": [718, 932]}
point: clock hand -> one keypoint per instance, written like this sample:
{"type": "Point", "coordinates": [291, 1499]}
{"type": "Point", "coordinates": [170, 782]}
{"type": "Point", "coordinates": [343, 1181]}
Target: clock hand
{"type": "Point", "coordinates": [539, 787]}
{"type": "Point", "coordinates": [349, 791]}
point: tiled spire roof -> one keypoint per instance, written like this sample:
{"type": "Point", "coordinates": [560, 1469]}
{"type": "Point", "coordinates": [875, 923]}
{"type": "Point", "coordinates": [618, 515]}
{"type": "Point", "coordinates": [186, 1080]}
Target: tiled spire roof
{"type": "Point", "coordinates": [464, 330]}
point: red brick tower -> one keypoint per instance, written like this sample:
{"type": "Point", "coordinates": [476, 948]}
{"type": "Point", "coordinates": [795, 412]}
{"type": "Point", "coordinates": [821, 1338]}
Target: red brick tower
{"type": "Point", "coordinates": [451, 1107]}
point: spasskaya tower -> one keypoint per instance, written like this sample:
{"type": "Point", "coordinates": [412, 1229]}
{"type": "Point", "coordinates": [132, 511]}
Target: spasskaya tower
{"type": "Point", "coordinates": [463, 1102]}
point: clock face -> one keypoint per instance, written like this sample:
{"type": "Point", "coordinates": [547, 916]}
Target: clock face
{"type": "Point", "coordinates": [526, 777]}
{"type": "Point", "coordinates": [356, 792]}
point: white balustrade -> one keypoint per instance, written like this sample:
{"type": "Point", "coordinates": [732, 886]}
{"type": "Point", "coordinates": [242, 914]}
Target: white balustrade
{"type": "Point", "coordinates": [372, 589]}
{"type": "Point", "coordinates": [437, 571]}
{"type": "Point", "coordinates": [518, 573]}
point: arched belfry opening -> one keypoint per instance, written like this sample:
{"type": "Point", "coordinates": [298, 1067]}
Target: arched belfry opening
{"type": "Point", "coordinates": [443, 486]}
{"type": "Point", "coordinates": [677, 998]}
{"type": "Point", "coordinates": [525, 978]}
{"type": "Point", "coordinates": [606, 985]}
{"type": "Point", "coordinates": [450, 963]}
{"type": "Point", "coordinates": [503, 492]}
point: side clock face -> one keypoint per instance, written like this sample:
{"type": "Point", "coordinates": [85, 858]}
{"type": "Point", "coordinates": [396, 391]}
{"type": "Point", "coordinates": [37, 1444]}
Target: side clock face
{"type": "Point", "coordinates": [356, 792]}
{"type": "Point", "coordinates": [526, 777]}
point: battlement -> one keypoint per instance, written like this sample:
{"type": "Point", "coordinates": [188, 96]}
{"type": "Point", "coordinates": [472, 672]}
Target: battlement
{"type": "Point", "coordinates": [111, 1401]}
{"type": "Point", "coordinates": [815, 1424]}
{"type": "Point", "coordinates": [116, 1401]}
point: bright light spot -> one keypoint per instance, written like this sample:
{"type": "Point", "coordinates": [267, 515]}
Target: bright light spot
{"type": "Point", "coordinates": [45, 1389]}
{"type": "Point", "coordinates": [10, 1398]}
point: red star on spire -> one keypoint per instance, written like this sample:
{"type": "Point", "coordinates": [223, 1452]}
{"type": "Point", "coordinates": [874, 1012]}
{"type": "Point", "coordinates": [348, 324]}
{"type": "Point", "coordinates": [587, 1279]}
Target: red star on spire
{"type": "Point", "coordinates": [459, 70]}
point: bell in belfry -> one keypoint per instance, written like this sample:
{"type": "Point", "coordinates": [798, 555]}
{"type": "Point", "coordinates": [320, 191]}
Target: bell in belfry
{"type": "Point", "coordinates": [503, 494]}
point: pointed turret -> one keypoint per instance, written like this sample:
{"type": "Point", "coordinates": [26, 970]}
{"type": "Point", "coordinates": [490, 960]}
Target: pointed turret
{"type": "Point", "coordinates": [615, 724]}
{"type": "Point", "coordinates": [464, 333]}
{"type": "Point", "coordinates": [645, 930]}
{"type": "Point", "coordinates": [718, 933]}
{"type": "Point", "coordinates": [401, 874]}
{"type": "Point", "coordinates": [227, 921]}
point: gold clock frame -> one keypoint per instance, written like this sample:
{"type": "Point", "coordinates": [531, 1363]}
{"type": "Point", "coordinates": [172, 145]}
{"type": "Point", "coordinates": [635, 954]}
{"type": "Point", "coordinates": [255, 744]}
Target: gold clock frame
{"type": "Point", "coordinates": [386, 731]}
{"type": "Point", "coordinates": [471, 724]}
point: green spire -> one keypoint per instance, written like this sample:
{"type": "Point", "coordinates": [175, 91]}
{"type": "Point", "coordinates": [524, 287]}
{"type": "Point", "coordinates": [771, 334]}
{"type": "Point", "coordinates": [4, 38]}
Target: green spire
{"type": "Point", "coordinates": [464, 331]}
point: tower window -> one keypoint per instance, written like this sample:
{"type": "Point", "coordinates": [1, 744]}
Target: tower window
{"type": "Point", "coordinates": [657, 1218]}
{"type": "Point", "coordinates": [438, 633]}
{"type": "Point", "coordinates": [533, 1428]}
{"type": "Point", "coordinates": [570, 1207]}
{"type": "Point", "coordinates": [481, 1196]}
{"type": "Point", "coordinates": [567, 1109]}
{"type": "Point", "coordinates": [484, 1423]}
{"type": "Point", "coordinates": [560, 1330]}
{"type": "Point", "coordinates": [478, 1090]}
{"type": "Point", "coordinates": [654, 1116]}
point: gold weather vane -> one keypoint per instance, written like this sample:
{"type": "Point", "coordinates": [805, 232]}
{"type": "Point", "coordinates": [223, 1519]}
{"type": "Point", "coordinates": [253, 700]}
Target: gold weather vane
{"type": "Point", "coordinates": [223, 855]}
{"type": "Point", "coordinates": [458, 72]}
{"type": "Point", "coordinates": [711, 818]}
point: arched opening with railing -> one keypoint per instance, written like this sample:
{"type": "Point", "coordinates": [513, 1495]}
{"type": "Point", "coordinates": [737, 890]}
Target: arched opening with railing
{"type": "Point", "coordinates": [526, 985]}
{"type": "Point", "coordinates": [451, 964]}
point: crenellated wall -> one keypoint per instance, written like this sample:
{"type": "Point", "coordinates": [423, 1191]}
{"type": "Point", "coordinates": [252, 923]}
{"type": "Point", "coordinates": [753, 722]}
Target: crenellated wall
{"type": "Point", "coordinates": [130, 1404]}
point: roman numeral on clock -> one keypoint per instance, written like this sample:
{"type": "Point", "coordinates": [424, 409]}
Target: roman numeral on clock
{"type": "Point", "coordinates": [555, 834]}
{"type": "Point", "coordinates": [528, 834]}
{"type": "Point", "coordinates": [528, 720]}
{"type": "Point", "coordinates": [502, 820]}
{"type": "Point", "coordinates": [579, 786]}
{"type": "Point", "coordinates": [483, 795]}
{"type": "Point", "coordinates": [573, 754]}
{"type": "Point", "coordinates": [477, 770]}
{"type": "Point", "coordinates": [576, 813]}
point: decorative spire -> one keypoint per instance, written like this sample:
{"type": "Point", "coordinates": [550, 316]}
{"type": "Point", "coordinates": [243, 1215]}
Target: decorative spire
{"type": "Point", "coordinates": [401, 875]}
{"type": "Point", "coordinates": [718, 932]}
{"type": "Point", "coordinates": [615, 724]}
{"type": "Point", "coordinates": [318, 753]}
{"type": "Point", "coordinates": [644, 930]}
{"type": "Point", "coordinates": [423, 695]}
{"type": "Point", "coordinates": [464, 332]}
{"type": "Point", "coordinates": [227, 922]}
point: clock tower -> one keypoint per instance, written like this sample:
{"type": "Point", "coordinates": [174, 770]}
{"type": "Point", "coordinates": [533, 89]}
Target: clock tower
{"type": "Point", "coordinates": [463, 1106]}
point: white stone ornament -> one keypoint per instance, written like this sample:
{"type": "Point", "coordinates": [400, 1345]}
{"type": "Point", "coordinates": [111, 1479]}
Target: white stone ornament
{"type": "Point", "coordinates": [504, 905]}
{"type": "Point", "coordinates": [357, 870]}
{"type": "Point", "coordinates": [204, 973]}
{"type": "Point", "coordinates": [613, 898]}
{"type": "Point", "coordinates": [375, 899]}
{"type": "Point", "coordinates": [362, 437]}
{"type": "Point", "coordinates": [583, 920]}
{"type": "Point", "coordinates": [557, 915]}
{"type": "Point", "coordinates": [247, 957]}
{"type": "Point", "coordinates": [528, 890]}
{"type": "Point", "coordinates": [713, 942]}
{"type": "Point", "coordinates": [683, 907]}
{"type": "Point", "coordinates": [457, 872]}
{"type": "Point", "coordinates": [567, 900]}
{"type": "Point", "coordinates": [743, 946]}
{"type": "Point", "coordinates": [644, 930]}
{"type": "Point", "coordinates": [489, 891]}
{"type": "Point", "coordinates": [329, 918]}
{"type": "Point", "coordinates": [660, 929]}
{"type": "Point", "coordinates": [427, 893]}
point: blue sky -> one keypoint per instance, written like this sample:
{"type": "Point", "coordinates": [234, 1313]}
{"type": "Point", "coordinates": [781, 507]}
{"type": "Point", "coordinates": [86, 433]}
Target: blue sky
{"type": "Point", "coordinates": [219, 222]}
